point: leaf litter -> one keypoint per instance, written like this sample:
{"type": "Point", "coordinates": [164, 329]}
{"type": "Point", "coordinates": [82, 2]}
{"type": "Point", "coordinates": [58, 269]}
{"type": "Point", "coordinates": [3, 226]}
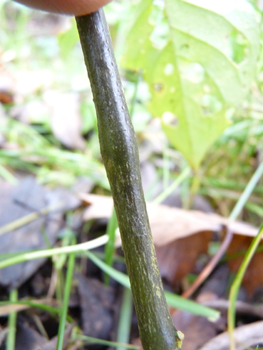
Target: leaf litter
{"type": "Point", "coordinates": [180, 237]}
{"type": "Point", "coordinates": [178, 251]}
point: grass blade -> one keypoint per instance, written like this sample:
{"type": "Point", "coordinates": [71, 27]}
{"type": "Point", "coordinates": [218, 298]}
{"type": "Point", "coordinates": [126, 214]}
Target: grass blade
{"type": "Point", "coordinates": [63, 316]}
{"type": "Point", "coordinates": [124, 326]}
{"type": "Point", "coordinates": [11, 336]}
{"type": "Point", "coordinates": [172, 299]}
{"type": "Point", "coordinates": [91, 340]}
{"type": "Point", "coordinates": [247, 192]}
{"type": "Point", "coordinates": [47, 253]}
{"type": "Point", "coordinates": [236, 285]}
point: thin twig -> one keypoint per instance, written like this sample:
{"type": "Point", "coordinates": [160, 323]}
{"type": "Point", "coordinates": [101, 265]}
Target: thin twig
{"type": "Point", "coordinates": [211, 265]}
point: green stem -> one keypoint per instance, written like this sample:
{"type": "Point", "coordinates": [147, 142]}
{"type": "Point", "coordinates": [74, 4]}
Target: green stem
{"type": "Point", "coordinates": [236, 286]}
{"type": "Point", "coordinates": [120, 155]}
{"type": "Point", "coordinates": [63, 316]}
{"type": "Point", "coordinates": [247, 192]}
{"type": "Point", "coordinates": [11, 336]}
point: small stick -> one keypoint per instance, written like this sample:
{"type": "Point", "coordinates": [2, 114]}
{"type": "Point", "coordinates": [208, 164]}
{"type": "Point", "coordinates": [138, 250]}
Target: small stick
{"type": "Point", "coordinates": [211, 265]}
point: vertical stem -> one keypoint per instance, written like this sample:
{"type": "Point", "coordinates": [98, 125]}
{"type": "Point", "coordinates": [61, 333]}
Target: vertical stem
{"type": "Point", "coordinates": [11, 336]}
{"type": "Point", "coordinates": [120, 155]}
{"type": "Point", "coordinates": [63, 316]}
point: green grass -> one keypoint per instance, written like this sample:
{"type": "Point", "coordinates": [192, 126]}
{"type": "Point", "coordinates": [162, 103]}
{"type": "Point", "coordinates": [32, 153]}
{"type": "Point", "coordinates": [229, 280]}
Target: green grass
{"type": "Point", "coordinates": [125, 318]}
{"type": "Point", "coordinates": [11, 335]}
{"type": "Point", "coordinates": [47, 253]}
{"type": "Point", "coordinates": [236, 286]}
{"type": "Point", "coordinates": [64, 309]}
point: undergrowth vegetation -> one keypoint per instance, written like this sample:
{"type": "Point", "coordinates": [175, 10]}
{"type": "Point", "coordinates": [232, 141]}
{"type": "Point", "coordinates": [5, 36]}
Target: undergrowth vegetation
{"type": "Point", "coordinates": [27, 50]}
{"type": "Point", "coordinates": [212, 133]}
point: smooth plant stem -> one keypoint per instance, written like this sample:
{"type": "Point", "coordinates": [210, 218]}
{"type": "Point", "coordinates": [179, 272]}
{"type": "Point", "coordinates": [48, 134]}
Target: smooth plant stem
{"type": "Point", "coordinates": [236, 285]}
{"type": "Point", "coordinates": [247, 192]}
{"type": "Point", "coordinates": [11, 336]}
{"type": "Point", "coordinates": [63, 316]}
{"type": "Point", "coordinates": [82, 247]}
{"type": "Point", "coordinates": [120, 155]}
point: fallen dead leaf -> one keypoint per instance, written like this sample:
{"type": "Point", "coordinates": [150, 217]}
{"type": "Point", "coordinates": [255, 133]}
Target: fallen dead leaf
{"type": "Point", "coordinates": [18, 202]}
{"type": "Point", "coordinates": [253, 278]}
{"type": "Point", "coordinates": [6, 97]}
{"type": "Point", "coordinates": [7, 309]}
{"type": "Point", "coordinates": [246, 336]}
{"type": "Point", "coordinates": [197, 330]}
{"type": "Point", "coordinates": [177, 233]}
{"type": "Point", "coordinates": [178, 258]}
{"type": "Point", "coordinates": [169, 224]}
{"type": "Point", "coordinates": [27, 337]}
{"type": "Point", "coordinates": [52, 344]}
{"type": "Point", "coordinates": [96, 303]}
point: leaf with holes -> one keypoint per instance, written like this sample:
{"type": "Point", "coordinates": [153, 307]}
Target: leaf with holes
{"type": "Point", "coordinates": [198, 57]}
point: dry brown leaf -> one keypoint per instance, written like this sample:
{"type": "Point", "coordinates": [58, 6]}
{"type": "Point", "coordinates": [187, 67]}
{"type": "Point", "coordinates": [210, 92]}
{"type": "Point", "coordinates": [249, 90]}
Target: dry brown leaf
{"type": "Point", "coordinates": [197, 330]}
{"type": "Point", "coordinates": [52, 344]}
{"type": "Point", "coordinates": [179, 235]}
{"type": "Point", "coordinates": [7, 309]}
{"type": "Point", "coordinates": [16, 203]}
{"type": "Point", "coordinates": [253, 278]}
{"type": "Point", "coordinates": [6, 97]}
{"type": "Point", "coordinates": [178, 258]}
{"type": "Point", "coordinates": [167, 223]}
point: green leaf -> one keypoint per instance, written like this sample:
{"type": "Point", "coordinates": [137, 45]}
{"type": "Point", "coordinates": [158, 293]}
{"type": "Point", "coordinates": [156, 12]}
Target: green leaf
{"type": "Point", "coordinates": [68, 39]}
{"type": "Point", "coordinates": [198, 57]}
